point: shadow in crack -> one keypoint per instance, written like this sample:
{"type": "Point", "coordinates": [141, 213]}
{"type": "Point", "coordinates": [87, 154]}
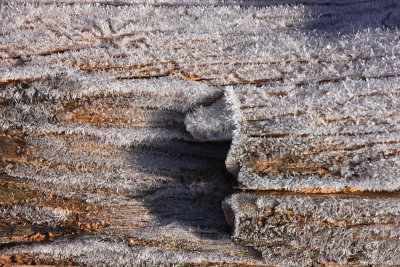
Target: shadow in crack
{"type": "Point", "coordinates": [189, 178]}
{"type": "Point", "coordinates": [189, 181]}
{"type": "Point", "coordinates": [344, 17]}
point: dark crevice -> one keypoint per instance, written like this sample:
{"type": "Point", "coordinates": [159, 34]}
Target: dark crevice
{"type": "Point", "coordinates": [200, 182]}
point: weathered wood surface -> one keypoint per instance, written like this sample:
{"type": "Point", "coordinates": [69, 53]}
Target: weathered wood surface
{"type": "Point", "coordinates": [305, 229]}
{"type": "Point", "coordinates": [106, 113]}
{"type": "Point", "coordinates": [327, 117]}
{"type": "Point", "coordinates": [220, 45]}
{"type": "Point", "coordinates": [332, 137]}
{"type": "Point", "coordinates": [97, 149]}
{"type": "Point", "coordinates": [109, 164]}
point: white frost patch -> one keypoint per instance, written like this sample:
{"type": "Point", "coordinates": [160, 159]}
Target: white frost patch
{"type": "Point", "coordinates": [213, 123]}
{"type": "Point", "coordinates": [109, 252]}
{"type": "Point", "coordinates": [35, 214]}
{"type": "Point", "coordinates": [232, 162]}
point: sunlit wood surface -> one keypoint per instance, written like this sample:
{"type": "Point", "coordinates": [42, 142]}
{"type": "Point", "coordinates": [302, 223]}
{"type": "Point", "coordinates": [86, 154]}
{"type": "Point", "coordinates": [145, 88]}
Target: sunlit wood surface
{"type": "Point", "coordinates": [115, 150]}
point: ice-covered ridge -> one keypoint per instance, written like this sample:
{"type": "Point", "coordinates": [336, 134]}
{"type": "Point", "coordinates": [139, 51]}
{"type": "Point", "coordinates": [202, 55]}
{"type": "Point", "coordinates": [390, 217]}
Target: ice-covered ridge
{"type": "Point", "coordinates": [163, 93]}
{"type": "Point", "coordinates": [35, 214]}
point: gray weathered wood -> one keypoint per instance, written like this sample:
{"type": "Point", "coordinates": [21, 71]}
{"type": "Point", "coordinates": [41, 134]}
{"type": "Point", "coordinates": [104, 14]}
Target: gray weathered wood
{"type": "Point", "coordinates": [307, 229]}
{"type": "Point", "coordinates": [98, 103]}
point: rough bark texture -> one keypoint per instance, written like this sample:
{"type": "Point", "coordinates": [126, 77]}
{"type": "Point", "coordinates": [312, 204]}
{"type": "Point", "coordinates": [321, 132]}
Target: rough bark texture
{"type": "Point", "coordinates": [115, 122]}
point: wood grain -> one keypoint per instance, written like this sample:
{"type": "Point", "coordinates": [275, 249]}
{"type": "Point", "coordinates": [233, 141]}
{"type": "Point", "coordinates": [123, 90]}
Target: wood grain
{"type": "Point", "coordinates": [97, 165]}
{"type": "Point", "coordinates": [293, 229]}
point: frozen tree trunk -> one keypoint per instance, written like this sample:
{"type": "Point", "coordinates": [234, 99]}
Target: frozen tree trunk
{"type": "Point", "coordinates": [115, 122]}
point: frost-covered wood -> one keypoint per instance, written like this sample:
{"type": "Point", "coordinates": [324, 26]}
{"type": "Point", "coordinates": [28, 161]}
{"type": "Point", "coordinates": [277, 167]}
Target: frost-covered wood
{"type": "Point", "coordinates": [325, 120]}
{"type": "Point", "coordinates": [220, 45]}
{"type": "Point", "coordinates": [116, 161]}
{"type": "Point", "coordinates": [304, 230]}
{"type": "Point", "coordinates": [104, 149]}
{"type": "Point", "coordinates": [331, 136]}
{"type": "Point", "coordinates": [106, 113]}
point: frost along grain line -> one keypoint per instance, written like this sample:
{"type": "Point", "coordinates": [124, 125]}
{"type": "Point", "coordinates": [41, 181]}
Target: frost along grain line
{"type": "Point", "coordinates": [328, 131]}
{"type": "Point", "coordinates": [116, 118]}
{"type": "Point", "coordinates": [307, 229]}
